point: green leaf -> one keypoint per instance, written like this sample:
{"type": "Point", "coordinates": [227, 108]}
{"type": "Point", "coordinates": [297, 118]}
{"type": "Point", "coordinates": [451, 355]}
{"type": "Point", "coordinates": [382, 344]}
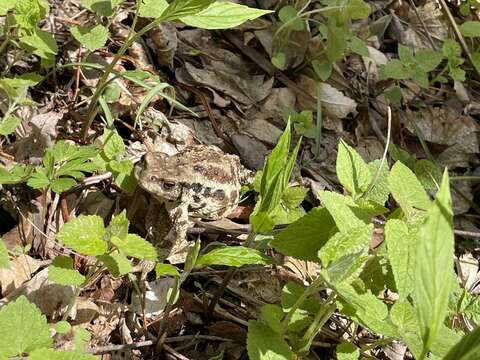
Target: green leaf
{"type": "Point", "coordinates": [6, 5]}
{"type": "Point", "coordinates": [401, 243]}
{"type": "Point", "coordinates": [92, 38]}
{"type": "Point", "coordinates": [23, 329]}
{"type": "Point", "coordinates": [358, 46]}
{"type": "Point", "coordinates": [352, 171]}
{"type": "Point", "coordinates": [289, 14]}
{"type": "Point", "coordinates": [379, 192]}
{"type": "Point", "coordinates": [63, 327]}
{"type": "Point", "coordinates": [166, 269]}
{"type": "Point", "coordinates": [61, 272]}
{"type": "Point", "coordinates": [470, 28]}
{"type": "Point", "coordinates": [395, 69]}
{"type": "Point", "coordinates": [152, 8]}
{"type": "Point", "coordinates": [347, 351]}
{"type": "Point", "coordinates": [322, 69]}
{"type": "Point", "coordinates": [293, 196]}
{"type": "Point", "coordinates": [9, 124]}
{"type": "Point", "coordinates": [466, 349]}
{"type": "Point", "coordinates": [265, 344]}
{"type": "Point", "coordinates": [84, 234]}
{"type": "Point", "coordinates": [181, 8]}
{"type": "Point", "coordinates": [118, 226]}
{"type": "Point", "coordinates": [406, 189]}
{"type": "Point", "coordinates": [343, 210]}
{"type": "Point", "coordinates": [341, 244]}
{"type": "Point", "coordinates": [429, 174]}
{"type": "Point", "coordinates": [273, 315]}
{"type": "Point", "coordinates": [279, 60]}
{"type": "Point", "coordinates": [358, 9]}
{"type": "Point", "coordinates": [50, 354]}
{"type": "Point", "coordinates": [336, 43]}
{"type": "Point", "coordinates": [39, 179]}
{"type": "Point", "coordinates": [117, 264]}
{"type": "Point", "coordinates": [40, 43]}
{"type": "Point", "coordinates": [420, 77]}
{"type": "Point", "coordinates": [4, 258]}
{"type": "Point", "coordinates": [402, 315]}
{"type": "Point", "coordinates": [63, 184]}
{"type": "Point", "coordinates": [112, 143]}
{"type": "Point", "coordinates": [428, 59]}
{"type": "Point", "coordinates": [451, 49]}
{"type": "Point", "coordinates": [405, 55]}
{"type": "Point", "coordinates": [305, 237]}
{"type": "Point", "coordinates": [18, 173]}
{"type": "Point", "coordinates": [233, 256]}
{"type": "Point", "coordinates": [135, 246]}
{"type": "Point", "coordinates": [29, 12]}
{"type": "Point", "coordinates": [102, 7]}
{"type": "Point", "coordinates": [223, 15]}
{"type": "Point", "coordinates": [434, 265]}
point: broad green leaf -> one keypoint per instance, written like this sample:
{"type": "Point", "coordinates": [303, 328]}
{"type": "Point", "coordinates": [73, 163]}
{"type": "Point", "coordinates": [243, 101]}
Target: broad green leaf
{"type": "Point", "coordinates": [102, 7]}
{"type": "Point", "coordinates": [112, 143]}
{"type": "Point", "coordinates": [152, 8]}
{"type": "Point", "coordinates": [39, 179]}
{"type": "Point", "coordinates": [18, 173]}
{"type": "Point", "coordinates": [92, 38]}
{"type": "Point", "coordinates": [6, 5]}
{"type": "Point", "coordinates": [223, 15]}
{"type": "Point", "coordinates": [322, 69]}
{"type": "Point", "coordinates": [23, 329]}
{"type": "Point", "coordinates": [9, 124]}
{"type": "Point", "coordinates": [394, 69]}
{"type": "Point", "coordinates": [428, 59]}
{"type": "Point", "coordinates": [265, 344]}
{"type": "Point", "coordinates": [470, 28]}
{"type": "Point", "coordinates": [402, 315]}
{"type": "Point", "coordinates": [181, 8]}
{"type": "Point", "coordinates": [352, 171]}
{"type": "Point", "coordinates": [63, 327]}
{"type": "Point", "coordinates": [81, 339]}
{"type": "Point", "coordinates": [405, 55]}
{"type": "Point", "coordinates": [344, 211]}
{"type": "Point", "coordinates": [84, 234]}
{"type": "Point", "coordinates": [118, 226]}
{"type": "Point", "coordinates": [428, 173]}
{"type": "Point", "coordinates": [420, 77]}
{"type": "Point", "coordinates": [451, 49]}
{"type": "Point", "coordinates": [117, 264]}
{"type": "Point", "coordinates": [346, 268]}
{"type": "Point", "coordinates": [366, 309]}
{"type": "Point", "coordinates": [135, 246]}
{"type": "Point", "coordinates": [233, 256]}
{"type": "Point", "coordinates": [293, 196]}
{"type": "Point", "coordinates": [40, 43]}
{"type": "Point", "coordinates": [63, 184]}
{"type": "Point", "coordinates": [290, 294]}
{"type": "Point", "coordinates": [358, 47]}
{"type": "Point", "coordinates": [347, 351]}
{"type": "Point", "coordinates": [50, 354]}
{"type": "Point", "coordinates": [466, 349]}
{"type": "Point", "coordinates": [61, 272]}
{"type": "Point", "coordinates": [336, 43]}
{"type": "Point", "coordinates": [379, 192]}
{"type": "Point", "coordinates": [4, 258]}
{"type": "Point", "coordinates": [434, 265]}
{"type": "Point", "coordinates": [29, 12]}
{"type": "Point", "coordinates": [341, 244]}
{"type": "Point", "coordinates": [273, 314]}
{"type": "Point", "coordinates": [289, 14]}
{"type": "Point", "coordinates": [305, 237]}
{"type": "Point", "coordinates": [358, 9]}
{"type": "Point", "coordinates": [166, 269]}
{"type": "Point", "coordinates": [406, 189]}
{"type": "Point", "coordinates": [401, 243]}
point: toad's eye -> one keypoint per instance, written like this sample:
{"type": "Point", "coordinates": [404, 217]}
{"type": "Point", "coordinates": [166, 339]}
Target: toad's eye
{"type": "Point", "coordinates": [154, 178]}
{"type": "Point", "coordinates": [168, 185]}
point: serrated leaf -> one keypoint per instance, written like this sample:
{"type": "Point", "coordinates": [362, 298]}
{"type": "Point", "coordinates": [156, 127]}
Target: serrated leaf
{"type": "Point", "coordinates": [394, 69]}
{"type": "Point", "coordinates": [223, 15]}
{"type": "Point", "coordinates": [29, 12]}
{"type": "Point", "coordinates": [347, 351]}
{"type": "Point", "coordinates": [293, 196]}
{"type": "Point", "coordinates": [112, 143]}
{"type": "Point", "coordinates": [401, 243]}
{"type": "Point", "coordinates": [61, 272]}
{"type": "Point", "coordinates": [4, 258]}
{"type": "Point", "coordinates": [428, 59]}
{"type": "Point", "coordinates": [166, 269]}
{"type": "Point", "coordinates": [117, 264]}
{"type": "Point", "coordinates": [265, 344]}
{"type": "Point", "coordinates": [341, 244]}
{"type": "Point", "coordinates": [182, 8]}
{"type": "Point", "coordinates": [358, 9]}
{"type": "Point", "coordinates": [50, 354]}
{"type": "Point", "coordinates": [451, 49]}
{"type": "Point", "coordinates": [118, 226]}
{"type": "Point", "coordinates": [470, 28]}
{"type": "Point", "coordinates": [346, 214]}
{"type": "Point", "coordinates": [303, 238]}
{"type": "Point", "coordinates": [434, 265]}
{"type": "Point", "coordinates": [379, 192]}
{"type": "Point", "coordinates": [63, 327]}
{"type": "Point", "coordinates": [39, 179]}
{"type": "Point", "coordinates": [84, 234]}
{"type": "Point", "coordinates": [352, 171]}
{"type": "Point", "coordinates": [405, 54]}
{"type": "Point", "coordinates": [16, 174]}
{"type": "Point", "coordinates": [272, 315]}
{"type": "Point", "coordinates": [233, 256]}
{"type": "Point", "coordinates": [152, 8]}
{"type": "Point", "coordinates": [406, 189]}
{"type": "Point", "coordinates": [402, 315]}
{"type": "Point", "coordinates": [9, 124]}
{"type": "Point", "coordinates": [63, 184]}
{"type": "Point", "coordinates": [92, 38]}
{"type": "Point", "coordinates": [135, 246]}
{"type": "Point", "coordinates": [40, 43]}
{"type": "Point", "coordinates": [102, 7]}
{"type": "Point", "coordinates": [23, 329]}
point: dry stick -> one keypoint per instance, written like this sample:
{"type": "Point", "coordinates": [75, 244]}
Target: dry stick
{"type": "Point", "coordinates": [412, 4]}
{"type": "Point", "coordinates": [458, 34]}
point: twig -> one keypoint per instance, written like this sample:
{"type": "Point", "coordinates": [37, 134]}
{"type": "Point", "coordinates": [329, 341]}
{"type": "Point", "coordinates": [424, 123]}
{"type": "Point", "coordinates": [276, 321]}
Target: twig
{"type": "Point", "coordinates": [412, 4]}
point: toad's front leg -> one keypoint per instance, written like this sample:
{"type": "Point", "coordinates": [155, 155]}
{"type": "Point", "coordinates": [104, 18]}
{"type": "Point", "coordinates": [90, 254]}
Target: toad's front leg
{"type": "Point", "coordinates": [176, 239]}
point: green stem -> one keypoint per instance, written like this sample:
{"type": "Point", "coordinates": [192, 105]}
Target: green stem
{"type": "Point", "coordinates": [321, 318]}
{"type": "Point", "coordinates": [318, 135]}
{"type": "Point", "coordinates": [465, 177]}
{"type": "Point", "coordinates": [102, 83]}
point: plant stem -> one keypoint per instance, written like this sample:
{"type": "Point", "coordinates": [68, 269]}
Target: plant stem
{"type": "Point", "coordinates": [321, 318]}
{"type": "Point", "coordinates": [318, 135]}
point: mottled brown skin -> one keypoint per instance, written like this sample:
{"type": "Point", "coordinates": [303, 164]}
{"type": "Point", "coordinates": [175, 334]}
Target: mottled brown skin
{"type": "Point", "coordinates": [200, 181]}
